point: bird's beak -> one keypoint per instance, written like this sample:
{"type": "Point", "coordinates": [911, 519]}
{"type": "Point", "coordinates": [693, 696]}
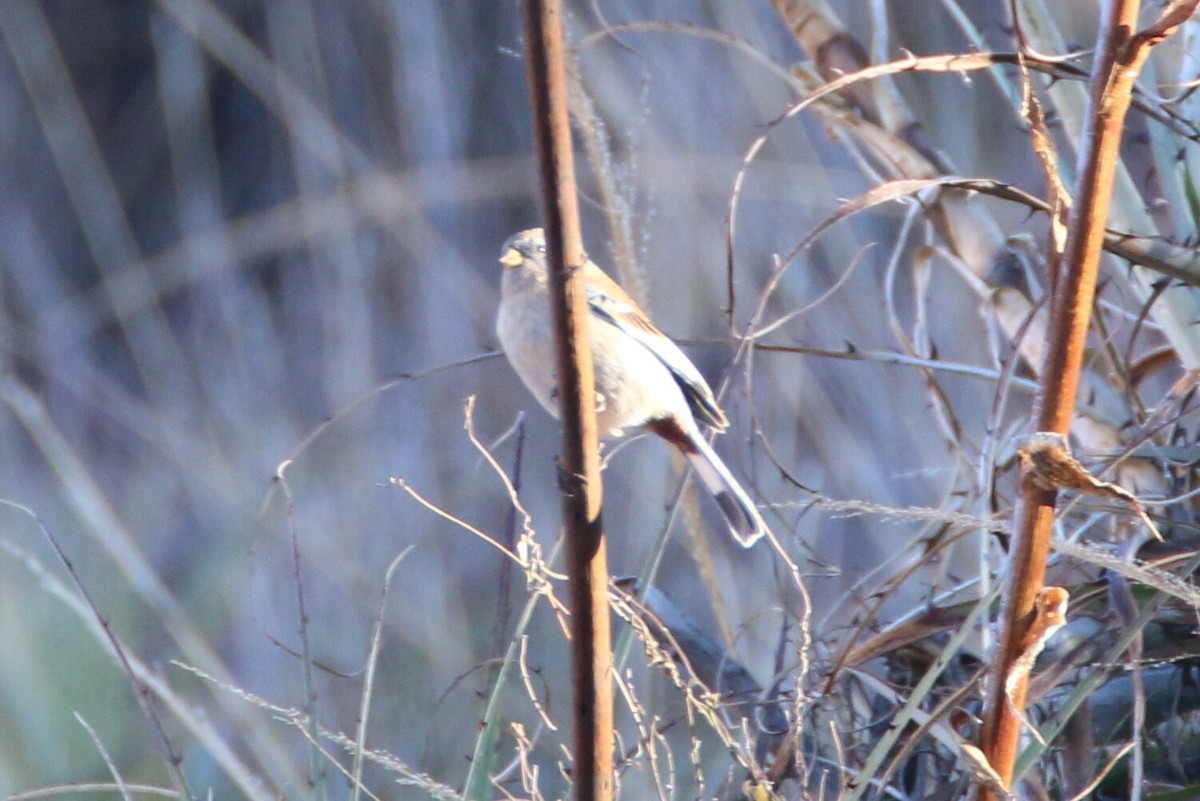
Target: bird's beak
{"type": "Point", "coordinates": [511, 257]}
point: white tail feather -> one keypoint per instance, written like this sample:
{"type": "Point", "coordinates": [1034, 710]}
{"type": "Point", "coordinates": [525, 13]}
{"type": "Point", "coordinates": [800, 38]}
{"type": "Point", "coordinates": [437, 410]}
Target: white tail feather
{"type": "Point", "coordinates": [745, 523]}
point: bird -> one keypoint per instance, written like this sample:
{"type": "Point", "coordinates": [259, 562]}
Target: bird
{"type": "Point", "coordinates": [643, 381]}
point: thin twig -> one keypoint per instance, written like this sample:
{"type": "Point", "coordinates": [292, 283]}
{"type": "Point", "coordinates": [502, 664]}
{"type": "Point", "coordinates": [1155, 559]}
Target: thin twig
{"type": "Point", "coordinates": [315, 767]}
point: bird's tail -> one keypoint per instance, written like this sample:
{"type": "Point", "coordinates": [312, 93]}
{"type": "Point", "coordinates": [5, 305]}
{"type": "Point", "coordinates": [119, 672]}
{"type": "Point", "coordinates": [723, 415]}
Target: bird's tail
{"type": "Point", "coordinates": [745, 523]}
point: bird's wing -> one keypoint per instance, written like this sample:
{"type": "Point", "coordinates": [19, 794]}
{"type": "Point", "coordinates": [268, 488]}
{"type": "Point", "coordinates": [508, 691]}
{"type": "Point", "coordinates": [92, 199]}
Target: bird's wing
{"type": "Point", "coordinates": [632, 322]}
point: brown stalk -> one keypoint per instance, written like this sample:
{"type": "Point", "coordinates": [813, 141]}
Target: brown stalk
{"type": "Point", "coordinates": [1120, 53]}
{"type": "Point", "coordinates": [587, 558]}
{"type": "Point", "coordinates": [964, 223]}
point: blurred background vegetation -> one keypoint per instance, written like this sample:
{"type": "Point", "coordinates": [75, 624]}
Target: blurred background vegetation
{"type": "Point", "coordinates": [239, 234]}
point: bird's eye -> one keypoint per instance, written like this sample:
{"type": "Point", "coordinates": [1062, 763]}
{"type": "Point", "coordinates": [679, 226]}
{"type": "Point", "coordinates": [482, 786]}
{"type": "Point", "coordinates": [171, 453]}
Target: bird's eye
{"type": "Point", "coordinates": [542, 248]}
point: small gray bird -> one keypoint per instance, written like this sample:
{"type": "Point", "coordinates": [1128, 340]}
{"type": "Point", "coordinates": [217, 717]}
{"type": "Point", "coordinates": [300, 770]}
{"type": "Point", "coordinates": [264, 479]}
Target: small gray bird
{"type": "Point", "coordinates": [643, 380]}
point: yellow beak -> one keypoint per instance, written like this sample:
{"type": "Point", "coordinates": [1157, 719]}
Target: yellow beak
{"type": "Point", "coordinates": [511, 258]}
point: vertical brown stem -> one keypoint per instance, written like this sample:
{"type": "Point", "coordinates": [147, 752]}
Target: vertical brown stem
{"type": "Point", "coordinates": [587, 559]}
{"type": "Point", "coordinates": [1118, 59]}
